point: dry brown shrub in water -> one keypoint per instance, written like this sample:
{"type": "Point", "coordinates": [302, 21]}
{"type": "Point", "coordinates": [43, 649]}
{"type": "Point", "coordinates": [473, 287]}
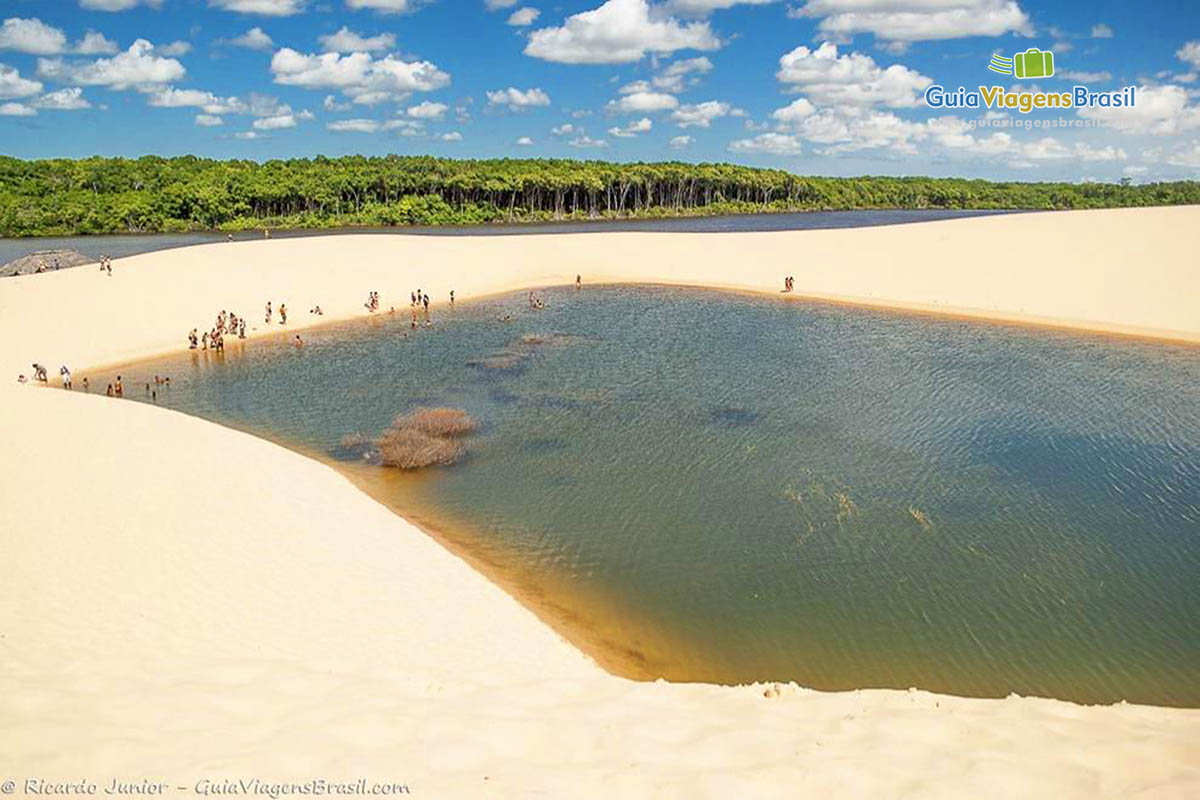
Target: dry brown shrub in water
{"type": "Point", "coordinates": [439, 422]}
{"type": "Point", "coordinates": [409, 448]}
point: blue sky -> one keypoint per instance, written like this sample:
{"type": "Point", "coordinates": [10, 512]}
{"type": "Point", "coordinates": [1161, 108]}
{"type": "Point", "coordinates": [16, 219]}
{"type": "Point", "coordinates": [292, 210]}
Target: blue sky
{"type": "Point", "coordinates": [832, 87]}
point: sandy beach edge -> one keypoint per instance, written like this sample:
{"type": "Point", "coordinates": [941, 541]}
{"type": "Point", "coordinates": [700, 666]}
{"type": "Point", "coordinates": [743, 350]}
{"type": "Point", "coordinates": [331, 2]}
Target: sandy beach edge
{"type": "Point", "coordinates": [298, 626]}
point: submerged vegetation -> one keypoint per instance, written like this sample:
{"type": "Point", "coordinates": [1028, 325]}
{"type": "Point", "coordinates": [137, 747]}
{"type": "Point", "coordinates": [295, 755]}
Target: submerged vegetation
{"type": "Point", "coordinates": [425, 437]}
{"type": "Point", "coordinates": [153, 194]}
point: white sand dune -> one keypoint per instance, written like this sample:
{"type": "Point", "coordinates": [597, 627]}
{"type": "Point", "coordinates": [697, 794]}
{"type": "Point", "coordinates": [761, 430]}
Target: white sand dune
{"type": "Point", "coordinates": [181, 601]}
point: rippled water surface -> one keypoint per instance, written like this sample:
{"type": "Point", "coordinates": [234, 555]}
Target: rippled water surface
{"type": "Point", "coordinates": [723, 488]}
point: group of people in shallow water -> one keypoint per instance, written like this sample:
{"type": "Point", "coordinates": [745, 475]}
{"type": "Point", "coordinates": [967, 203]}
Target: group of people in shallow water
{"type": "Point", "coordinates": [114, 389]}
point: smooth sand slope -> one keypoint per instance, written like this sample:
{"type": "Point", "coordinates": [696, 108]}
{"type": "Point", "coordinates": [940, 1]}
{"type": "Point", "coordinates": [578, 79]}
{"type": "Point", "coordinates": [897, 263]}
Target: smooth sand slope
{"type": "Point", "coordinates": [182, 601]}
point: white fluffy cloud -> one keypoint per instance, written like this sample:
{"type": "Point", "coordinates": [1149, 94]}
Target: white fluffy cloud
{"type": "Point", "coordinates": [917, 20]}
{"type": "Point", "coordinates": [357, 75]}
{"type": "Point", "coordinates": [16, 110]}
{"type": "Point", "coordinates": [640, 100]}
{"type": "Point", "coordinates": [427, 110]}
{"type": "Point", "coordinates": [852, 78]}
{"type": "Point", "coordinates": [524, 141]}
{"type": "Point", "coordinates": [31, 36]}
{"type": "Point", "coordinates": [672, 77]}
{"type": "Point", "coordinates": [254, 39]}
{"type": "Point", "coordinates": [139, 66]}
{"type": "Point", "coordinates": [565, 129]}
{"type": "Point", "coordinates": [516, 99]}
{"type": "Point", "coordinates": [587, 141]}
{"type": "Point", "coordinates": [523, 16]}
{"type": "Point", "coordinates": [779, 144]}
{"type": "Point", "coordinates": [702, 8]}
{"type": "Point", "coordinates": [620, 31]}
{"type": "Point", "coordinates": [70, 99]}
{"type": "Point", "coordinates": [382, 6]}
{"type": "Point", "coordinates": [679, 142]}
{"type": "Point", "coordinates": [1102, 31]}
{"type": "Point", "coordinates": [496, 5]}
{"type": "Point", "coordinates": [172, 49]}
{"type": "Point", "coordinates": [266, 8]}
{"type": "Point", "coordinates": [631, 130]}
{"type": "Point", "coordinates": [1160, 110]}
{"type": "Point", "coordinates": [1186, 155]}
{"type": "Point", "coordinates": [1190, 53]}
{"type": "Point", "coordinates": [209, 103]}
{"type": "Point", "coordinates": [209, 120]}
{"type": "Point", "coordinates": [96, 44]}
{"type": "Point", "coordinates": [353, 126]}
{"type": "Point", "coordinates": [347, 41]}
{"type": "Point", "coordinates": [700, 115]}
{"type": "Point", "coordinates": [452, 136]}
{"type": "Point", "coordinates": [13, 85]}
{"type": "Point", "coordinates": [117, 5]}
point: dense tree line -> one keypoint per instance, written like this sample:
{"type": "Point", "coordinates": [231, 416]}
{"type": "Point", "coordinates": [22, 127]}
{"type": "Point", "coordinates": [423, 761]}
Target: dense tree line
{"type": "Point", "coordinates": [108, 195]}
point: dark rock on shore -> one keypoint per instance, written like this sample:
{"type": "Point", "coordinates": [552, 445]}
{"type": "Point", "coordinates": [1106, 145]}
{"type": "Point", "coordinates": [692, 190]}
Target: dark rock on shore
{"type": "Point", "coordinates": [45, 261]}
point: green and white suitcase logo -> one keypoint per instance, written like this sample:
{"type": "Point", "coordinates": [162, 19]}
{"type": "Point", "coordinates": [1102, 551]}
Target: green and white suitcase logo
{"type": "Point", "coordinates": [1033, 63]}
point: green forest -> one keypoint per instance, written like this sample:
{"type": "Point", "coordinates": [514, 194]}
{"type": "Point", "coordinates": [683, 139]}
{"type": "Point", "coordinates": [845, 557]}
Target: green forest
{"type": "Point", "coordinates": [153, 194]}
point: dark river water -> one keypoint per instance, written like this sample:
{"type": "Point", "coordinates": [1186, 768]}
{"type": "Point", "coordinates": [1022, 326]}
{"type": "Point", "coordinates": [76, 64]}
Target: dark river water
{"type": "Point", "coordinates": [120, 246]}
{"type": "Point", "coordinates": [713, 487]}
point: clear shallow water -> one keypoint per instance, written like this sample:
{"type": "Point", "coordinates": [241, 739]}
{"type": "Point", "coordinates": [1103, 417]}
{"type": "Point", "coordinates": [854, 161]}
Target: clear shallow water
{"type": "Point", "coordinates": [122, 245]}
{"type": "Point", "coordinates": [723, 488]}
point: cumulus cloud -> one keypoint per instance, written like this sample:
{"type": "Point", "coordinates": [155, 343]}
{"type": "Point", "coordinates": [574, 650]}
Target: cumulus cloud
{"type": "Point", "coordinates": [31, 36]}
{"type": "Point", "coordinates": [779, 144]}
{"type": "Point", "coordinates": [620, 31]}
{"type": "Point", "coordinates": [209, 103]}
{"type": "Point", "coordinates": [266, 8]}
{"type": "Point", "coordinates": [353, 126]}
{"type": "Point", "coordinates": [631, 130]}
{"type": "Point", "coordinates": [1160, 110]}
{"type": "Point", "coordinates": [640, 100]}
{"type": "Point", "coordinates": [516, 99]}
{"type": "Point", "coordinates": [565, 129]}
{"type": "Point", "coordinates": [139, 66]}
{"type": "Point", "coordinates": [702, 8]}
{"type": "Point", "coordinates": [700, 115]}
{"type": "Point", "coordinates": [16, 110]}
{"type": "Point", "coordinates": [427, 110]}
{"type": "Point", "coordinates": [209, 120]}
{"type": "Point", "coordinates": [673, 76]}
{"type": "Point", "coordinates": [587, 141]}
{"type": "Point", "coordinates": [852, 78]}
{"type": "Point", "coordinates": [1190, 53]}
{"type": "Point", "coordinates": [254, 39]}
{"type": "Point", "coordinates": [523, 16]}
{"type": "Point", "coordinates": [347, 41]}
{"type": "Point", "coordinates": [680, 142]}
{"type": "Point", "coordinates": [117, 5]}
{"type": "Point", "coordinates": [70, 99]}
{"type": "Point", "coordinates": [383, 6]}
{"type": "Point", "coordinates": [96, 44]}
{"type": "Point", "coordinates": [905, 21]}
{"type": "Point", "coordinates": [173, 49]}
{"type": "Point", "coordinates": [357, 75]}
{"type": "Point", "coordinates": [524, 141]}
{"type": "Point", "coordinates": [13, 85]}
{"type": "Point", "coordinates": [452, 136]}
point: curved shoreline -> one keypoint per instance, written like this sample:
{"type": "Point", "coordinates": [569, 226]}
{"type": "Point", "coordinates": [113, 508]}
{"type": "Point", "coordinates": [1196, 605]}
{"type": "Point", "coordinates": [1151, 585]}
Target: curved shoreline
{"type": "Point", "coordinates": [217, 603]}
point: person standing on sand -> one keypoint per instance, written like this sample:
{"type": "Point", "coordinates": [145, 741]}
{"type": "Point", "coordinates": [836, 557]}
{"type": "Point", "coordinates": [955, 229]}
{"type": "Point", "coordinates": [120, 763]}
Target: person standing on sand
{"type": "Point", "coordinates": [86, 388]}
{"type": "Point", "coordinates": [268, 318]}
{"type": "Point", "coordinates": [66, 376]}
{"type": "Point", "coordinates": [242, 329]}
{"type": "Point", "coordinates": [119, 388]}
{"type": "Point", "coordinates": [283, 313]}
{"type": "Point", "coordinates": [452, 298]}
{"type": "Point", "coordinates": [425, 300]}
